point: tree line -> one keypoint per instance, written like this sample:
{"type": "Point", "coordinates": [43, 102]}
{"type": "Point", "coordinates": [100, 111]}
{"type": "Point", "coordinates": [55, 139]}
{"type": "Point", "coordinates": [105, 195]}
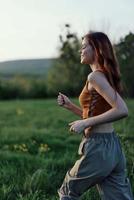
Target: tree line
{"type": "Point", "coordinates": [67, 74]}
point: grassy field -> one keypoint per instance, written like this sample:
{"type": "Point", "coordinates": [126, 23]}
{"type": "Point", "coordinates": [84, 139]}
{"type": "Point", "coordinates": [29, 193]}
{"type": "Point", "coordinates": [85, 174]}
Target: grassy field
{"type": "Point", "coordinates": [36, 148]}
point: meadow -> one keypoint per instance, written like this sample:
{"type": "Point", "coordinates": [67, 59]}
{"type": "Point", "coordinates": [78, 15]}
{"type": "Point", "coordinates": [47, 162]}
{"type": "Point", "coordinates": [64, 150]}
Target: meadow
{"type": "Point", "coordinates": [37, 148]}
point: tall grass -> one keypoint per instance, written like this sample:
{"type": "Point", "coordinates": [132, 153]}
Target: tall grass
{"type": "Point", "coordinates": [36, 148]}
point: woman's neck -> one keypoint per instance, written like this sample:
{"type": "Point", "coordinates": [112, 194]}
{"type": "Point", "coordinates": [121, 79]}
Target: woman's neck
{"type": "Point", "coordinates": [95, 66]}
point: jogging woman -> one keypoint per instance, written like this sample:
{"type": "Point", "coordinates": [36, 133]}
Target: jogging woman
{"type": "Point", "coordinates": [102, 162]}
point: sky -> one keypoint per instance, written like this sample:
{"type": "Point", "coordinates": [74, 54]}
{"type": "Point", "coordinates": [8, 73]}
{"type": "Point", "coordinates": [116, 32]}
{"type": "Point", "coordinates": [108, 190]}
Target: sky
{"type": "Point", "coordinates": [30, 28]}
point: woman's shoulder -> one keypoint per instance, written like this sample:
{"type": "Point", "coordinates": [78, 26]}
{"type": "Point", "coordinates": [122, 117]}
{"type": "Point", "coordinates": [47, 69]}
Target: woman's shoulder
{"type": "Point", "coordinates": [95, 75]}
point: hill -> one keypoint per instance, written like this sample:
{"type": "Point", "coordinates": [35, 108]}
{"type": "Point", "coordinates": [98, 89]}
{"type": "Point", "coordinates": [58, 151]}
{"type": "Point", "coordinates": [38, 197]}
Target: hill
{"type": "Point", "coordinates": [37, 67]}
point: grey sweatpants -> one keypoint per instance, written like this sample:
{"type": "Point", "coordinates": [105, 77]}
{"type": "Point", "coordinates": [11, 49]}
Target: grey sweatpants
{"type": "Point", "coordinates": [102, 164]}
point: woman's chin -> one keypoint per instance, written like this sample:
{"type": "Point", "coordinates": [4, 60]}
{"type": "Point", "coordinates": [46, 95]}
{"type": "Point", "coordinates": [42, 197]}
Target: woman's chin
{"type": "Point", "coordinates": [83, 61]}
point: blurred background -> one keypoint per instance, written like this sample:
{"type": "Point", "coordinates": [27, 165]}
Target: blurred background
{"type": "Point", "coordinates": [39, 57]}
{"type": "Point", "coordinates": [40, 38]}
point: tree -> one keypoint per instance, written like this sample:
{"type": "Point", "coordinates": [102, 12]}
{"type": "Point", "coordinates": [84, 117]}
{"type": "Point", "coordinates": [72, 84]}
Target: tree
{"type": "Point", "coordinates": [68, 74]}
{"type": "Point", "coordinates": [125, 54]}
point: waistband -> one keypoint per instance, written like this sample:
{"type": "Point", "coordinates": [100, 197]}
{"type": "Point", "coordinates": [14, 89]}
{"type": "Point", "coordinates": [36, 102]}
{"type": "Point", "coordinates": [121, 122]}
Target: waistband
{"type": "Point", "coordinates": [101, 134]}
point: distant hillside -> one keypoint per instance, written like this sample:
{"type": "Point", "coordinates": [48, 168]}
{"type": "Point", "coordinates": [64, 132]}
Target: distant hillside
{"type": "Point", "coordinates": [26, 67]}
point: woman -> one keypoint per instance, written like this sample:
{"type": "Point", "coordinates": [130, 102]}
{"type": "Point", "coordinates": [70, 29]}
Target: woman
{"type": "Point", "coordinates": [102, 161]}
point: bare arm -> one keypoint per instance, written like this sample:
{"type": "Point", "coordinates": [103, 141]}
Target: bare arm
{"type": "Point", "coordinates": [75, 109]}
{"type": "Point", "coordinates": [119, 109]}
{"type": "Point", "coordinates": [65, 102]}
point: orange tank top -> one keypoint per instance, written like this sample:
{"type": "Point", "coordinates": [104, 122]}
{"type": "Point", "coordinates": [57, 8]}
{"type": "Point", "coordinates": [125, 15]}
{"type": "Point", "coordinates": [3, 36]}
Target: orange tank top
{"type": "Point", "coordinates": [92, 103]}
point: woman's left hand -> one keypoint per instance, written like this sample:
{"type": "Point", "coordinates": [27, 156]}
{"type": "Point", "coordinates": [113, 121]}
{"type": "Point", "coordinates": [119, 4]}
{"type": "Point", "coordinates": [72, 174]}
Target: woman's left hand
{"type": "Point", "coordinates": [77, 126]}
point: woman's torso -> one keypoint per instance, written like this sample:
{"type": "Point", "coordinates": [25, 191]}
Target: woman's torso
{"type": "Point", "coordinates": [94, 104]}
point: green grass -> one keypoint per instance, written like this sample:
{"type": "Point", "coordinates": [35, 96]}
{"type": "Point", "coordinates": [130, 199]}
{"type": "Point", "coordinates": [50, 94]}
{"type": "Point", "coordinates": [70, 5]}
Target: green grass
{"type": "Point", "coordinates": [37, 148]}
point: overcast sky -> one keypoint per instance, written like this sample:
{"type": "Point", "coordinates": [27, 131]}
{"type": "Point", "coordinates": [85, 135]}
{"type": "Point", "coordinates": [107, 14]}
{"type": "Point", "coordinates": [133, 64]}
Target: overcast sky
{"type": "Point", "coordinates": [30, 28]}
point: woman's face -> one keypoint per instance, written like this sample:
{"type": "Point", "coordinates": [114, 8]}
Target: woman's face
{"type": "Point", "coordinates": [87, 52]}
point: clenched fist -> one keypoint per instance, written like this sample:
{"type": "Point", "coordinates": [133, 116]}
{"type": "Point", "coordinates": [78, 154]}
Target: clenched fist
{"type": "Point", "coordinates": [63, 100]}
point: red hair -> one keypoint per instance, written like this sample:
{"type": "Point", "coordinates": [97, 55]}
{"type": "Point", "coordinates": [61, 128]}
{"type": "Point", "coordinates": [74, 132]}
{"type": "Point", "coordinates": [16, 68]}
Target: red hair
{"type": "Point", "coordinates": [106, 58]}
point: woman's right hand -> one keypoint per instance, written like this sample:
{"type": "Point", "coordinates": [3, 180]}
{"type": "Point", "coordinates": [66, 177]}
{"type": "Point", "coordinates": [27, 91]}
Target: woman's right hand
{"type": "Point", "coordinates": [63, 100]}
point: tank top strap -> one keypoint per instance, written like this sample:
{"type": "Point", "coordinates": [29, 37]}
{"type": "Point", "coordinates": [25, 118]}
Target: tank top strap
{"type": "Point", "coordinates": [86, 84]}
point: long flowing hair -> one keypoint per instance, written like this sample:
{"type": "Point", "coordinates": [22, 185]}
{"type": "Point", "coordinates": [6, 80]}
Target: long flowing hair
{"type": "Point", "coordinates": [106, 58]}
